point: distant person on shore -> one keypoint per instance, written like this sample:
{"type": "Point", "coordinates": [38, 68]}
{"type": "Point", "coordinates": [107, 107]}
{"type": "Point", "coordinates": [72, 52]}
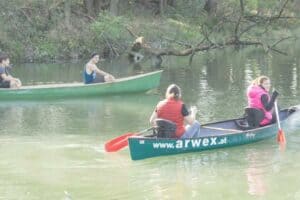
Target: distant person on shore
{"type": "Point", "coordinates": [92, 74]}
{"type": "Point", "coordinates": [259, 98]}
{"type": "Point", "coordinates": [173, 109]}
{"type": "Point", "coordinates": [6, 80]}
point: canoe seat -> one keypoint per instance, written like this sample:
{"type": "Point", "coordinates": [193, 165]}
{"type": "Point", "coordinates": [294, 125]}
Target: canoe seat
{"type": "Point", "coordinates": [165, 128]}
{"type": "Point", "coordinates": [252, 119]}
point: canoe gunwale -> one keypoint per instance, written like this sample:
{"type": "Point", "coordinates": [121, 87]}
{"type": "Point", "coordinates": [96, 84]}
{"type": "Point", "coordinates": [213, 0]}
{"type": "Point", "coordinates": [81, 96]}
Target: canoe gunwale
{"type": "Point", "coordinates": [226, 131]}
{"type": "Point", "coordinates": [132, 84]}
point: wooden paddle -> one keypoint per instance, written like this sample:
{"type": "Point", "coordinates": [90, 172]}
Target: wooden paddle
{"type": "Point", "coordinates": [280, 135]}
{"type": "Point", "coordinates": [122, 141]}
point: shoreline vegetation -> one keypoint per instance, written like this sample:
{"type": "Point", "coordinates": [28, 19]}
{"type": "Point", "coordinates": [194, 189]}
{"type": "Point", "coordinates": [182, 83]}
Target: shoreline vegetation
{"type": "Point", "coordinates": [60, 30]}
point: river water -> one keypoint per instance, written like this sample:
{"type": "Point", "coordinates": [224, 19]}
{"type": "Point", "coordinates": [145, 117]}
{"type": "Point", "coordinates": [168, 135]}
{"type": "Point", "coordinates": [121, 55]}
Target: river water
{"type": "Point", "coordinates": [54, 149]}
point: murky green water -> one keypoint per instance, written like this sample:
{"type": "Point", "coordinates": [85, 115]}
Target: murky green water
{"type": "Point", "coordinates": [54, 150]}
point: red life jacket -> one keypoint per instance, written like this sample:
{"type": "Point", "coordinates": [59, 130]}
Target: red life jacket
{"type": "Point", "coordinates": [170, 109]}
{"type": "Point", "coordinates": [254, 94]}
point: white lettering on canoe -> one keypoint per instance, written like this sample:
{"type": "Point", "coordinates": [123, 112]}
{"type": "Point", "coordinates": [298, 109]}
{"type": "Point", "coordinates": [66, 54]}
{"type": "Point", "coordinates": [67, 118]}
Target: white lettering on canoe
{"type": "Point", "coordinates": [196, 143]}
{"type": "Point", "coordinates": [213, 141]}
{"type": "Point", "coordinates": [163, 145]}
{"type": "Point", "coordinates": [186, 143]}
{"type": "Point", "coordinates": [223, 141]}
{"type": "Point", "coordinates": [179, 144]}
{"type": "Point", "coordinates": [205, 142]}
{"type": "Point", "coordinates": [250, 135]}
{"type": "Point", "coordinates": [142, 141]}
{"type": "Point", "coordinates": [191, 143]}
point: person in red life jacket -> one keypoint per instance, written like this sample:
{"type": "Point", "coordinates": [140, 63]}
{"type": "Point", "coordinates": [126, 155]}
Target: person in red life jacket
{"type": "Point", "coordinates": [173, 109]}
{"type": "Point", "coordinates": [6, 80]}
{"type": "Point", "coordinates": [259, 98]}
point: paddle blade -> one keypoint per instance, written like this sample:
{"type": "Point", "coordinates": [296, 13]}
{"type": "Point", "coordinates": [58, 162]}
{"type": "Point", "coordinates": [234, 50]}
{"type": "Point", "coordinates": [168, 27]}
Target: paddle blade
{"type": "Point", "coordinates": [118, 143]}
{"type": "Point", "coordinates": [281, 137]}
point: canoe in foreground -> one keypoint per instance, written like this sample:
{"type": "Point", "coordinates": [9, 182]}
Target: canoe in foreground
{"type": "Point", "coordinates": [214, 135]}
{"type": "Point", "coordinates": [137, 83]}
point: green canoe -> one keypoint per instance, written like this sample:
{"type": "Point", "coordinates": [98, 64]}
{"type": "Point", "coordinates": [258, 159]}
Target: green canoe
{"type": "Point", "coordinates": [214, 135]}
{"type": "Point", "coordinates": [137, 83]}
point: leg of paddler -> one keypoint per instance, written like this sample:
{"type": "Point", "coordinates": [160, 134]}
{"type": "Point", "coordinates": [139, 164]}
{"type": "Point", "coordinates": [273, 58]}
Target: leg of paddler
{"type": "Point", "coordinates": [192, 131]}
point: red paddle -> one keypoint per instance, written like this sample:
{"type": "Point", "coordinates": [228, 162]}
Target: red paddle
{"type": "Point", "coordinates": [280, 135]}
{"type": "Point", "coordinates": [122, 141]}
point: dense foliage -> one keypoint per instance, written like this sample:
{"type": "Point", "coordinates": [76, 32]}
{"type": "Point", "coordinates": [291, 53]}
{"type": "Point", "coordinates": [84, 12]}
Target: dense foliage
{"type": "Point", "coordinates": [50, 30]}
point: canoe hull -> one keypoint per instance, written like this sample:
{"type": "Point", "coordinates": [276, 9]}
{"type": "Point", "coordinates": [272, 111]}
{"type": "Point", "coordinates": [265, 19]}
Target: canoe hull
{"type": "Point", "coordinates": [141, 148]}
{"type": "Point", "coordinates": [146, 147]}
{"type": "Point", "coordinates": [133, 84]}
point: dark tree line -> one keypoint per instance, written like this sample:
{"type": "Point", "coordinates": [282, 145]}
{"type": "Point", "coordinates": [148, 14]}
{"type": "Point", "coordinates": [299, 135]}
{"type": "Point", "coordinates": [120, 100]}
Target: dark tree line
{"type": "Point", "coordinates": [93, 7]}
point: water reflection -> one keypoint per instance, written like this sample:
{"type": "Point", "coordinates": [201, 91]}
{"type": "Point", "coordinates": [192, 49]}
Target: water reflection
{"type": "Point", "coordinates": [82, 116]}
{"type": "Point", "coordinates": [255, 174]}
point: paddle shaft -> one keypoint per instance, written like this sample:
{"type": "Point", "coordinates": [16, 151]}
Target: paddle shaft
{"type": "Point", "coordinates": [277, 115]}
{"type": "Point", "coordinates": [145, 130]}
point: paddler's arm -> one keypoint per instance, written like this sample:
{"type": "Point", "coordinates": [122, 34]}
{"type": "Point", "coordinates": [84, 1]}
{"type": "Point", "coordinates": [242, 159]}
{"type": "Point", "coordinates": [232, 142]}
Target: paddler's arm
{"type": "Point", "coordinates": [269, 104]}
{"type": "Point", "coordinates": [153, 118]}
{"type": "Point", "coordinates": [190, 119]}
{"type": "Point", "coordinates": [6, 78]}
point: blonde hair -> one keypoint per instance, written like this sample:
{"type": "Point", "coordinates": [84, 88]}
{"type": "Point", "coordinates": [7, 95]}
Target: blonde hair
{"type": "Point", "coordinates": [259, 80]}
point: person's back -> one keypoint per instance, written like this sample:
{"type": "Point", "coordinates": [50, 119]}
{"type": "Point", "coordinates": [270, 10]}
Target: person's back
{"type": "Point", "coordinates": [88, 77]}
{"type": "Point", "coordinates": [171, 109]}
{"type": "Point", "coordinates": [254, 94]}
{"type": "Point", "coordinates": [174, 110]}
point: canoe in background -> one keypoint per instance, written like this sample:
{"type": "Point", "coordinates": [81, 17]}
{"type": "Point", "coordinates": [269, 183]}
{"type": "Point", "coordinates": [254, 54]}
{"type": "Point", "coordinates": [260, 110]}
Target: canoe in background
{"type": "Point", "coordinates": [137, 83]}
{"type": "Point", "coordinates": [213, 135]}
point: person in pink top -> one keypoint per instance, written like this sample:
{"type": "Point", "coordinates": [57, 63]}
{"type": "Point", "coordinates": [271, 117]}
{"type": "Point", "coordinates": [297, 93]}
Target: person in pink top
{"type": "Point", "coordinates": [259, 98]}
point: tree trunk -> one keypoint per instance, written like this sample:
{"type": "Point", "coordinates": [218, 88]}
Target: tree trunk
{"type": "Point", "coordinates": [97, 6]}
{"type": "Point", "coordinates": [242, 7]}
{"type": "Point", "coordinates": [114, 10]}
{"type": "Point", "coordinates": [89, 6]}
{"type": "Point", "coordinates": [161, 7]}
{"type": "Point", "coordinates": [93, 7]}
{"type": "Point", "coordinates": [171, 3]}
{"type": "Point", "coordinates": [67, 11]}
{"type": "Point", "coordinates": [211, 6]}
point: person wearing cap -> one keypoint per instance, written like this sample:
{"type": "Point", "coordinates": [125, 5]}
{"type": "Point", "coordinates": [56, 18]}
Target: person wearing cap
{"type": "Point", "coordinates": [92, 74]}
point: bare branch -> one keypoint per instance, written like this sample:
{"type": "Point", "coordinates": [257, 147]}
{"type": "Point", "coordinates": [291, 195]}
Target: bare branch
{"type": "Point", "coordinates": [131, 32]}
{"type": "Point", "coordinates": [281, 40]}
{"type": "Point", "coordinates": [178, 42]}
{"type": "Point", "coordinates": [281, 10]}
